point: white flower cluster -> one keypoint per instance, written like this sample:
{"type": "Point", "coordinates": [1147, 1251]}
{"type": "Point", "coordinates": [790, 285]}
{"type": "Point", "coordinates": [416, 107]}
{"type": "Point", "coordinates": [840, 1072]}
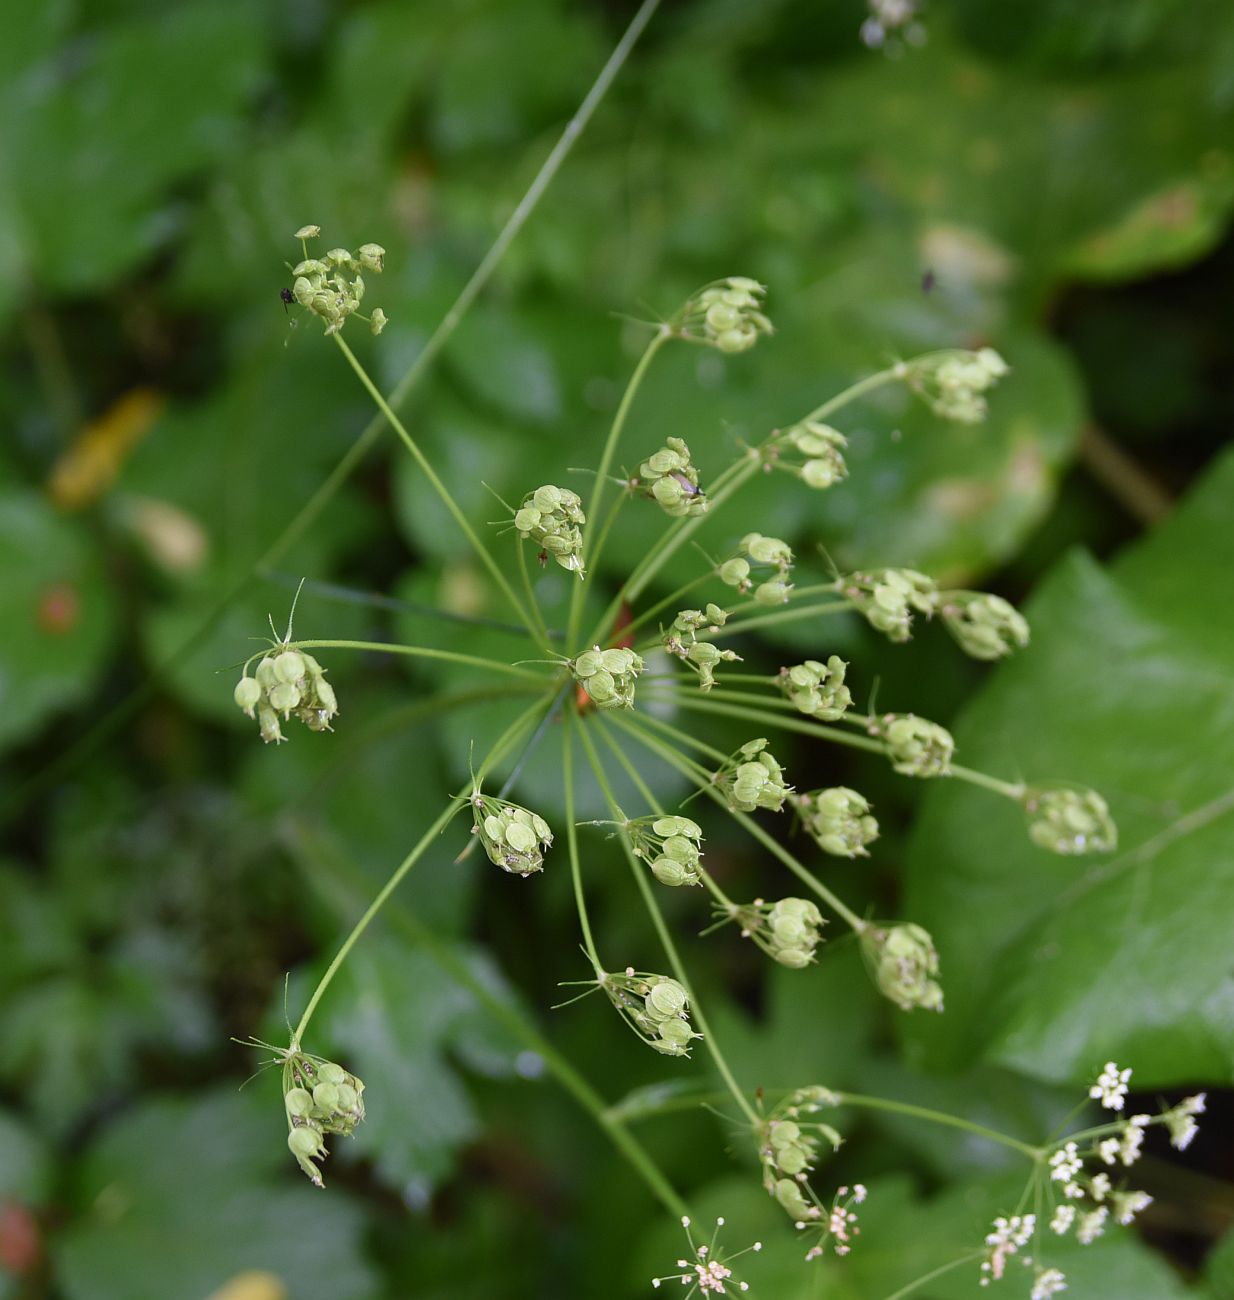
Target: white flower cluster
{"type": "Point", "coordinates": [707, 1271]}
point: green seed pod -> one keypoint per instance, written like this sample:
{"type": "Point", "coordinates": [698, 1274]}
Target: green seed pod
{"type": "Point", "coordinates": [674, 874]}
{"type": "Point", "coordinates": [306, 1144]}
{"type": "Point", "coordinates": [372, 257]}
{"type": "Point", "coordinates": [269, 723]}
{"type": "Point", "coordinates": [984, 626]}
{"type": "Point", "coordinates": [325, 1097]}
{"type": "Point", "coordinates": [915, 746]}
{"type": "Point", "coordinates": [775, 592]}
{"type": "Point", "coordinates": [838, 820]}
{"type": "Point", "coordinates": [302, 290]}
{"type": "Point", "coordinates": [726, 314]}
{"type": "Point", "coordinates": [378, 320]}
{"type": "Point", "coordinates": [290, 667]}
{"type": "Point", "coordinates": [298, 1101]}
{"type": "Point", "coordinates": [672, 480]}
{"type": "Point", "coordinates": [734, 572]}
{"type": "Point", "coordinates": [752, 778]}
{"type": "Point", "coordinates": [283, 698]}
{"type": "Point", "coordinates": [1069, 820]}
{"type": "Point", "coordinates": [817, 689]}
{"type": "Point", "coordinates": [788, 1192]}
{"type": "Point", "coordinates": [767, 550]}
{"type": "Point", "coordinates": [903, 962]}
{"type": "Point", "coordinates": [265, 674]}
{"type": "Point", "coordinates": [247, 694]}
{"type": "Point", "coordinates": [514, 838]}
{"type": "Point", "coordinates": [555, 526]}
{"type": "Point", "coordinates": [667, 998]}
{"type": "Point", "coordinates": [674, 1038]}
{"type": "Point", "coordinates": [608, 676]}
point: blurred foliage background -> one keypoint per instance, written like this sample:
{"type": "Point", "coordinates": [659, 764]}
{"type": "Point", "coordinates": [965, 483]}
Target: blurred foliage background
{"type": "Point", "coordinates": [1054, 178]}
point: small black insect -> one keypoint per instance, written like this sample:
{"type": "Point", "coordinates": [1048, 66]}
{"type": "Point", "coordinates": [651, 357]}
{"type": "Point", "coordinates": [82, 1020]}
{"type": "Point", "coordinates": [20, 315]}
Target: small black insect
{"type": "Point", "coordinates": [287, 297]}
{"type": "Point", "coordinates": [928, 280]}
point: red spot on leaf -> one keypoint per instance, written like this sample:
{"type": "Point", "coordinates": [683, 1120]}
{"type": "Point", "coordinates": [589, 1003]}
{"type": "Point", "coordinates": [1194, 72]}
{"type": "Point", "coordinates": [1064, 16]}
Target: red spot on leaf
{"type": "Point", "coordinates": [59, 609]}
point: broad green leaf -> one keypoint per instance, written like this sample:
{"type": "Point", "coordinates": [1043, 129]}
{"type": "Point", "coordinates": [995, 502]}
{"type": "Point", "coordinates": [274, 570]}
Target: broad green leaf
{"type": "Point", "coordinates": [80, 223]}
{"type": "Point", "coordinates": [57, 611]}
{"type": "Point", "coordinates": [1053, 965]}
{"type": "Point", "coordinates": [178, 1196]}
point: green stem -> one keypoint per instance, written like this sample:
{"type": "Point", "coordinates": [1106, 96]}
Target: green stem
{"type": "Point", "coordinates": [541, 628]}
{"type": "Point", "coordinates": [661, 336]}
{"type": "Point", "coordinates": [452, 809]}
{"type": "Point", "coordinates": [666, 939]}
{"type": "Point", "coordinates": [506, 1013]}
{"type": "Point", "coordinates": [868, 743]}
{"type": "Point", "coordinates": [576, 872]}
{"type": "Point", "coordinates": [939, 1117]}
{"type": "Point", "coordinates": [416, 652]}
{"type": "Point", "coordinates": [943, 1269]}
{"type": "Point", "coordinates": [702, 779]}
{"type": "Point", "coordinates": [854, 391]}
{"type": "Point", "coordinates": [447, 498]}
{"type": "Point", "coordinates": [793, 615]}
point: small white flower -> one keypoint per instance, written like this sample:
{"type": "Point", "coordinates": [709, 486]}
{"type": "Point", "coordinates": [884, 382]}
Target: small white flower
{"type": "Point", "coordinates": [1063, 1218]}
{"type": "Point", "coordinates": [1111, 1086]}
{"type": "Point", "coordinates": [1181, 1122]}
{"type": "Point", "coordinates": [1091, 1225]}
{"type": "Point", "coordinates": [1128, 1204]}
{"type": "Point", "coordinates": [1132, 1140]}
{"type": "Point", "coordinates": [1109, 1149]}
{"type": "Point", "coordinates": [1065, 1163]}
{"type": "Point", "coordinates": [1007, 1238]}
{"type": "Point", "coordinates": [1099, 1188]}
{"type": "Point", "coordinates": [1048, 1282]}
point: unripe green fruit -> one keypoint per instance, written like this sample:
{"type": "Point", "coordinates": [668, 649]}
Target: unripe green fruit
{"type": "Point", "coordinates": [289, 666]}
{"type": "Point", "coordinates": [305, 1141]}
{"type": "Point", "coordinates": [325, 1097]}
{"type": "Point", "coordinates": [284, 697]}
{"type": "Point", "coordinates": [299, 1101]}
{"type": "Point", "coordinates": [247, 694]}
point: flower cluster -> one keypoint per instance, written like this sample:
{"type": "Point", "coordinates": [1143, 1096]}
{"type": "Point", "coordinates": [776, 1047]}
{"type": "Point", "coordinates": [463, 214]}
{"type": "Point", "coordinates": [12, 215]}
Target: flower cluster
{"type": "Point", "coordinates": [915, 746]}
{"type": "Point", "coordinates": [332, 286]}
{"type": "Point", "coordinates": [682, 640]}
{"type": "Point", "coordinates": [984, 626]}
{"type": "Point", "coordinates": [903, 963]}
{"type": "Point", "coordinates": [553, 517]}
{"type": "Point", "coordinates": [708, 1269]}
{"type": "Point", "coordinates": [1078, 1168]}
{"type": "Point", "coordinates": [954, 383]}
{"type": "Point", "coordinates": [672, 480]}
{"type": "Point", "coordinates": [514, 838]}
{"type": "Point", "coordinates": [1069, 820]}
{"type": "Point", "coordinates": [890, 22]}
{"type": "Point", "coordinates": [812, 451]}
{"type": "Point", "coordinates": [656, 1007]}
{"type": "Point", "coordinates": [838, 820]}
{"type": "Point", "coordinates": [320, 1098]}
{"type": "Point", "coordinates": [291, 681]}
{"type": "Point", "coordinates": [788, 931]}
{"type": "Point", "coordinates": [727, 314]}
{"type": "Point", "coordinates": [817, 689]}
{"type": "Point", "coordinates": [670, 846]}
{"type": "Point", "coordinates": [765, 552]}
{"type": "Point", "coordinates": [752, 778]}
{"type": "Point", "coordinates": [608, 676]}
{"type": "Point", "coordinates": [888, 598]}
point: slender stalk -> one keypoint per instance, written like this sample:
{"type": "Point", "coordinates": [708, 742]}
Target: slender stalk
{"type": "Point", "coordinates": [452, 809]}
{"type": "Point", "coordinates": [1035, 1154]}
{"type": "Point", "coordinates": [854, 391]}
{"type": "Point", "coordinates": [576, 872]}
{"type": "Point", "coordinates": [868, 743]}
{"type": "Point", "coordinates": [779, 616]}
{"type": "Point", "coordinates": [669, 600]}
{"type": "Point", "coordinates": [661, 336]}
{"type": "Point", "coordinates": [702, 779]}
{"type": "Point", "coordinates": [121, 713]}
{"type": "Point", "coordinates": [540, 632]}
{"type": "Point", "coordinates": [447, 497]}
{"type": "Point", "coordinates": [506, 1012]}
{"type": "Point", "coordinates": [971, 1257]}
{"type": "Point", "coordinates": [417, 652]}
{"type": "Point", "coordinates": [666, 939]}
{"type": "Point", "coordinates": [654, 804]}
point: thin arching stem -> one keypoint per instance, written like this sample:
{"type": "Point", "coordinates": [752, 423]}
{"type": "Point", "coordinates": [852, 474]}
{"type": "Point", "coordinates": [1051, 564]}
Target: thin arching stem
{"type": "Point", "coordinates": [506, 1012]}
{"type": "Point", "coordinates": [452, 810]}
{"type": "Point", "coordinates": [419, 652]}
{"type": "Point", "coordinates": [666, 938]}
{"type": "Point", "coordinates": [540, 632]}
{"type": "Point", "coordinates": [576, 870]}
{"type": "Point", "coordinates": [443, 492]}
{"type": "Point", "coordinates": [661, 336]}
{"type": "Point", "coordinates": [639, 729]}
